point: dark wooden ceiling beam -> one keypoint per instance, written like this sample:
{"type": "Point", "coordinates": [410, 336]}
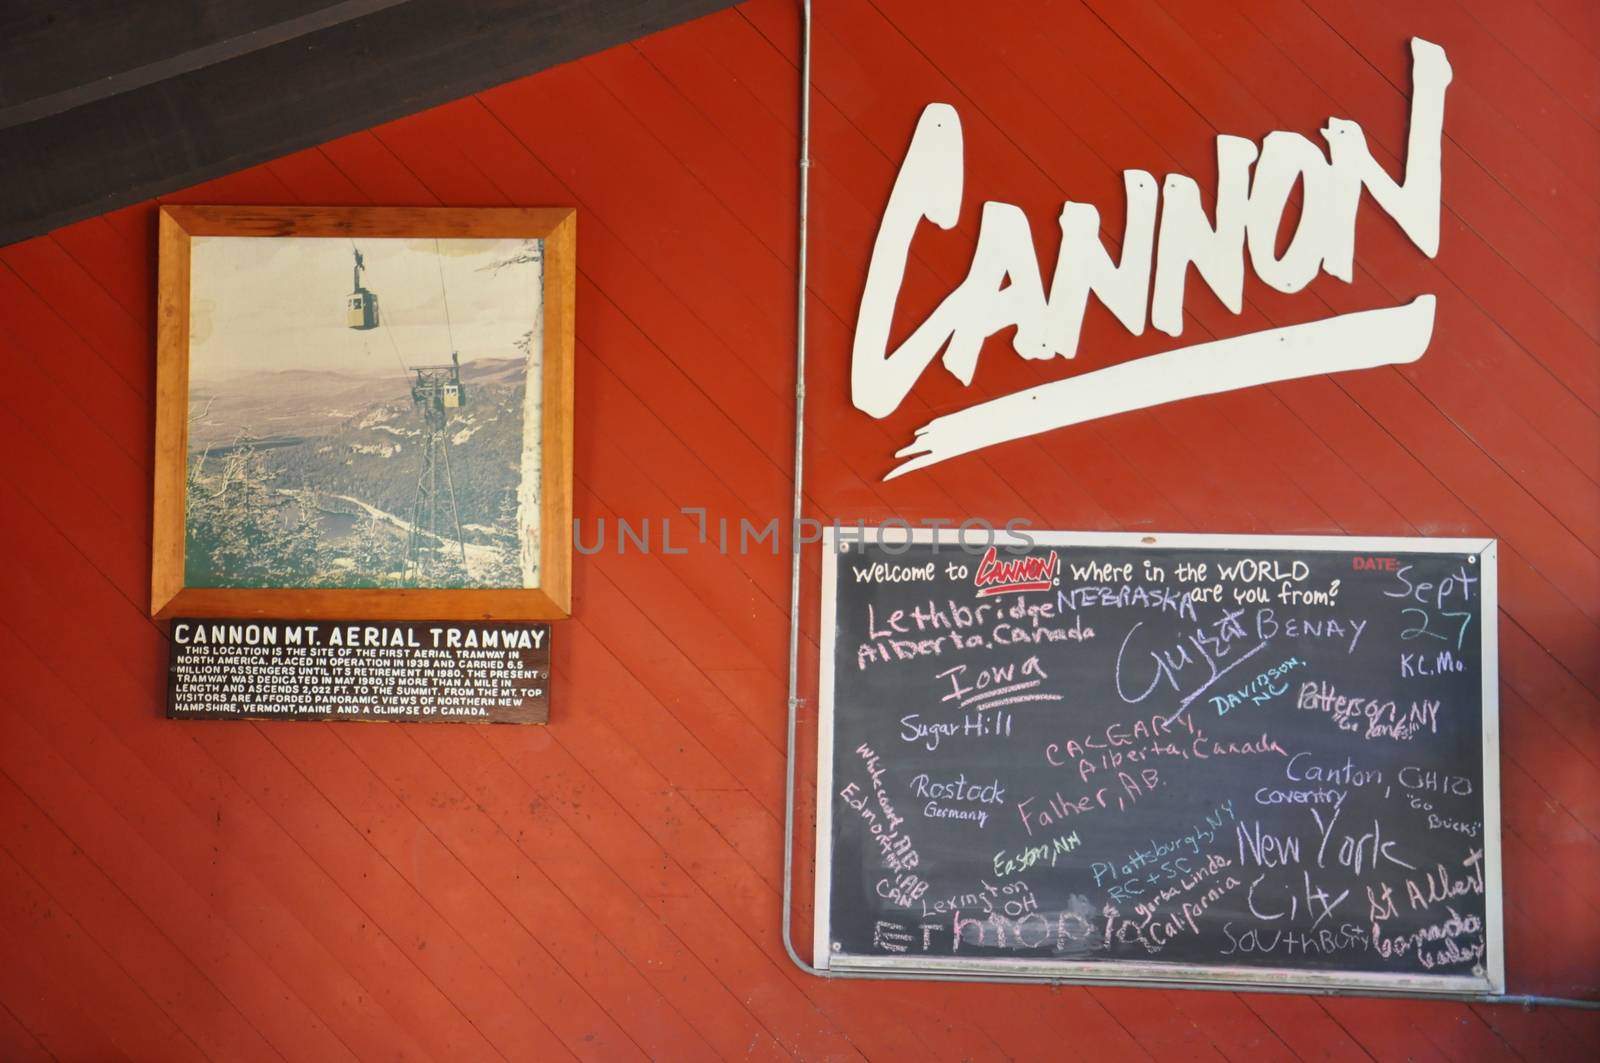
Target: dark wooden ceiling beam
{"type": "Point", "coordinates": [50, 64]}
{"type": "Point", "coordinates": [237, 83]}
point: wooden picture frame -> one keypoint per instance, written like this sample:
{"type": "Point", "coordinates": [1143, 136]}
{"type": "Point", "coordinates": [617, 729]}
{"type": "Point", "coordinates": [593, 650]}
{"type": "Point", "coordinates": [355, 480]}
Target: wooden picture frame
{"type": "Point", "coordinates": [550, 596]}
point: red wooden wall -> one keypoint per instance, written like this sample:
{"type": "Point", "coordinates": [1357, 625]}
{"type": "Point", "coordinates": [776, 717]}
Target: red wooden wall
{"type": "Point", "coordinates": [609, 887]}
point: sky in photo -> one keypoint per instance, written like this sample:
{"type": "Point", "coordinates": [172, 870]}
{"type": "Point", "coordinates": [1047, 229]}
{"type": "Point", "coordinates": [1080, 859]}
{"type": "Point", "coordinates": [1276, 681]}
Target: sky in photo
{"type": "Point", "coordinates": [272, 303]}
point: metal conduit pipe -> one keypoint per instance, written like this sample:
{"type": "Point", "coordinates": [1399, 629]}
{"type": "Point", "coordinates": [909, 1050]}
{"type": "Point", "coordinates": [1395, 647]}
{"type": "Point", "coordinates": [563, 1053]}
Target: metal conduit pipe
{"type": "Point", "coordinates": [799, 473]}
{"type": "Point", "coordinates": [795, 701]}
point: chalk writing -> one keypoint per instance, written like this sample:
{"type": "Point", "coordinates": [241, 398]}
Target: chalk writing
{"type": "Point", "coordinates": [1260, 758]}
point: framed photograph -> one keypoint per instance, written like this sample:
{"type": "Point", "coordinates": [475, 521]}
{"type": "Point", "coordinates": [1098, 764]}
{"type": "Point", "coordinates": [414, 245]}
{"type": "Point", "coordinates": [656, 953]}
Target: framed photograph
{"type": "Point", "coordinates": [364, 412]}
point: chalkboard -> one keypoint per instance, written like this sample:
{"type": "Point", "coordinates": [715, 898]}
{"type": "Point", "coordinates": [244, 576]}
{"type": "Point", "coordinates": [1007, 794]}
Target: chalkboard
{"type": "Point", "coordinates": [1230, 760]}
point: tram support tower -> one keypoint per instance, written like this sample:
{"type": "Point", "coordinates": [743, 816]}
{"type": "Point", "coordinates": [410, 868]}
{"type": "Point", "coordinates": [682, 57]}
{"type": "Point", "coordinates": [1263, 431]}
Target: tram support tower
{"type": "Point", "coordinates": [436, 392]}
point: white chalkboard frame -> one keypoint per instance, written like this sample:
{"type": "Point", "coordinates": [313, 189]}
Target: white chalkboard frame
{"type": "Point", "coordinates": [839, 538]}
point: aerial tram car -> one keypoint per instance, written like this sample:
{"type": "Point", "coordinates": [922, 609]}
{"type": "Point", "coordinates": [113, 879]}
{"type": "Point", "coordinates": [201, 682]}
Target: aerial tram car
{"type": "Point", "coordinates": [361, 307]}
{"type": "Point", "coordinates": [438, 389]}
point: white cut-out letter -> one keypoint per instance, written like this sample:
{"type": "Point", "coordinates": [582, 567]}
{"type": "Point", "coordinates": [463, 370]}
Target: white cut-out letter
{"type": "Point", "coordinates": [1002, 288]}
{"type": "Point", "coordinates": [1083, 266]}
{"type": "Point", "coordinates": [1186, 236]}
{"type": "Point", "coordinates": [1414, 205]}
{"type": "Point", "coordinates": [1287, 159]}
{"type": "Point", "coordinates": [928, 186]}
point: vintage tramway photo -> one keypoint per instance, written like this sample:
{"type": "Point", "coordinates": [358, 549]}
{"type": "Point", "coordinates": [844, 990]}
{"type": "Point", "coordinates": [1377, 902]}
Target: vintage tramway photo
{"type": "Point", "coordinates": [360, 415]}
{"type": "Point", "coordinates": [367, 405]}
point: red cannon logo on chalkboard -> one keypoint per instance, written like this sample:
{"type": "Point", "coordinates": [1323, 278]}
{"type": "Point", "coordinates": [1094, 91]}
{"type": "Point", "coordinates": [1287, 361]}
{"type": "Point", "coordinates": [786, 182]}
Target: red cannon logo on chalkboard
{"type": "Point", "coordinates": [1015, 574]}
